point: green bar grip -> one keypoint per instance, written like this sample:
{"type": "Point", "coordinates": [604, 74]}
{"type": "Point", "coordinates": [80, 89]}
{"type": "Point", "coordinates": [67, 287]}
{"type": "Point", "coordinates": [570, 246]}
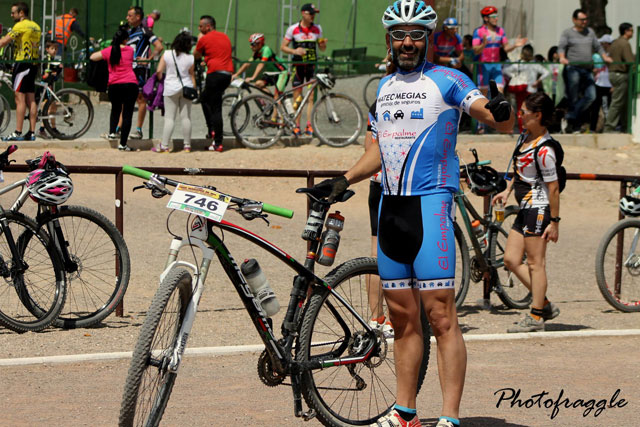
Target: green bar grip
{"type": "Point", "coordinates": [276, 210]}
{"type": "Point", "coordinates": [136, 172]}
{"type": "Point", "coordinates": [484, 162]}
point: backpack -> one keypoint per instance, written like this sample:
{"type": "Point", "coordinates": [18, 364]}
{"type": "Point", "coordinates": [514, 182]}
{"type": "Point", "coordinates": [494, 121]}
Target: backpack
{"type": "Point", "coordinates": [560, 170]}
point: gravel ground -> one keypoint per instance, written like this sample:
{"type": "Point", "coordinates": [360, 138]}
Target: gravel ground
{"type": "Point", "coordinates": [588, 209]}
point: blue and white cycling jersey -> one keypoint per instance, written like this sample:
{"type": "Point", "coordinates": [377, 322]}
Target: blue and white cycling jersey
{"type": "Point", "coordinates": [416, 121]}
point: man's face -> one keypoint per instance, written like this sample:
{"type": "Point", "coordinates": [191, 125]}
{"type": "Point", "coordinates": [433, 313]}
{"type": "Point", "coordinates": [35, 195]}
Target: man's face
{"type": "Point", "coordinates": [450, 31]}
{"type": "Point", "coordinates": [628, 34]}
{"type": "Point", "coordinates": [204, 26]}
{"type": "Point", "coordinates": [256, 46]}
{"type": "Point", "coordinates": [581, 21]}
{"type": "Point", "coordinates": [407, 53]}
{"type": "Point", "coordinates": [308, 17]}
{"type": "Point", "coordinates": [15, 15]}
{"type": "Point", "coordinates": [133, 19]}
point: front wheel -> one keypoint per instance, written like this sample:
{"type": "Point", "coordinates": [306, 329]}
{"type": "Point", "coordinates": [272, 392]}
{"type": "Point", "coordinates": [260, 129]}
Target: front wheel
{"type": "Point", "coordinates": [229, 101]}
{"type": "Point", "coordinates": [68, 117]}
{"type": "Point", "coordinates": [256, 121]}
{"type": "Point", "coordinates": [618, 265]}
{"type": "Point", "coordinates": [96, 260]}
{"type": "Point", "coordinates": [511, 291]}
{"type": "Point", "coordinates": [370, 90]}
{"type": "Point", "coordinates": [149, 381]}
{"type": "Point", "coordinates": [350, 393]}
{"type": "Point", "coordinates": [336, 120]}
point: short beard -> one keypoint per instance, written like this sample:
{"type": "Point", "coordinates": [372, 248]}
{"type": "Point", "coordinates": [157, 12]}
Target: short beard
{"type": "Point", "coordinates": [408, 65]}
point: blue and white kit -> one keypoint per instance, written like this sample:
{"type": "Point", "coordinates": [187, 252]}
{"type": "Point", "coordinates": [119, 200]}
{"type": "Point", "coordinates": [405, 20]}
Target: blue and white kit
{"type": "Point", "coordinates": [415, 121]}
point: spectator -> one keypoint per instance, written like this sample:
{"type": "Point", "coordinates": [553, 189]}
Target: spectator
{"type": "Point", "coordinates": [524, 77]}
{"type": "Point", "coordinates": [554, 87]}
{"type": "Point", "coordinates": [122, 86]}
{"type": "Point", "coordinates": [304, 35]}
{"type": "Point", "coordinates": [467, 49]}
{"type": "Point", "coordinates": [216, 49]}
{"type": "Point", "coordinates": [487, 41]}
{"type": "Point", "coordinates": [141, 39]}
{"type": "Point", "coordinates": [619, 76]}
{"type": "Point", "coordinates": [537, 222]}
{"type": "Point", "coordinates": [448, 45]}
{"type": "Point", "coordinates": [51, 71]}
{"type": "Point", "coordinates": [65, 25]}
{"type": "Point", "coordinates": [178, 66]}
{"type": "Point", "coordinates": [151, 19]}
{"type": "Point", "coordinates": [603, 85]}
{"type": "Point", "coordinates": [577, 45]}
{"type": "Point", "coordinates": [26, 37]}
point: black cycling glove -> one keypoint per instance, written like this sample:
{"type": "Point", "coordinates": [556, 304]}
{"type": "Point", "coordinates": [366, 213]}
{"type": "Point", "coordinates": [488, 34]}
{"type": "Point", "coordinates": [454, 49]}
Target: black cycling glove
{"type": "Point", "coordinates": [333, 187]}
{"type": "Point", "coordinates": [500, 108]}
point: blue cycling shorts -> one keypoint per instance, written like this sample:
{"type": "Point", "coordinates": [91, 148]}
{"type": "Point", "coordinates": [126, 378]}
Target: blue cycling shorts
{"type": "Point", "coordinates": [490, 72]}
{"type": "Point", "coordinates": [416, 242]}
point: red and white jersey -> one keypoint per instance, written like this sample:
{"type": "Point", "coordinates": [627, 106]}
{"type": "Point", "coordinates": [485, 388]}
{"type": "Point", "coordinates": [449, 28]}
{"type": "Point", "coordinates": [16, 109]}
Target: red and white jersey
{"type": "Point", "coordinates": [306, 38]}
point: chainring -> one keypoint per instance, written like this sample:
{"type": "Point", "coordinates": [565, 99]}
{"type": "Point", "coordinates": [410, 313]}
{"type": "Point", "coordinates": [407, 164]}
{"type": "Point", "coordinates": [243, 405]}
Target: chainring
{"type": "Point", "coordinates": [266, 373]}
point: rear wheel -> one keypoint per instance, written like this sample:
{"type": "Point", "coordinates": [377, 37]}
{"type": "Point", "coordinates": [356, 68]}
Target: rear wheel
{"type": "Point", "coordinates": [256, 121]}
{"type": "Point", "coordinates": [356, 393]}
{"type": "Point", "coordinates": [336, 120]}
{"type": "Point", "coordinates": [68, 117]}
{"type": "Point", "coordinates": [511, 291]}
{"type": "Point", "coordinates": [149, 381]}
{"type": "Point", "coordinates": [462, 266]}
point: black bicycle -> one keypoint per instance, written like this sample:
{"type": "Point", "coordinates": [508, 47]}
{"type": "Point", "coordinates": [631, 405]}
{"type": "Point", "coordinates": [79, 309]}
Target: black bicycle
{"type": "Point", "coordinates": [342, 366]}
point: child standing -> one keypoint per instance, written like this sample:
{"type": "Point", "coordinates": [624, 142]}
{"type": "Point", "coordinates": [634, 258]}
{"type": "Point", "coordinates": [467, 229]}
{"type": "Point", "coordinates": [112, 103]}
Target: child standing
{"type": "Point", "coordinates": [51, 71]}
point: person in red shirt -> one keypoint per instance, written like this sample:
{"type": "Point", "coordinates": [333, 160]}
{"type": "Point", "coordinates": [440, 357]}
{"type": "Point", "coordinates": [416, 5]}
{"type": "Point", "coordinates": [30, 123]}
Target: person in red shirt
{"type": "Point", "coordinates": [215, 47]}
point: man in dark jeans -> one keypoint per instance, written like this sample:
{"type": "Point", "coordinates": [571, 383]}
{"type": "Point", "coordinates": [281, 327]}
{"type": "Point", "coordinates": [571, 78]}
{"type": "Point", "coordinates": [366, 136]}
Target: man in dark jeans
{"type": "Point", "coordinates": [216, 49]}
{"type": "Point", "coordinates": [577, 45]}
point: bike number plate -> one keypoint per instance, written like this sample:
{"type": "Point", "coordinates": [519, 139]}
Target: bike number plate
{"type": "Point", "coordinates": [199, 201]}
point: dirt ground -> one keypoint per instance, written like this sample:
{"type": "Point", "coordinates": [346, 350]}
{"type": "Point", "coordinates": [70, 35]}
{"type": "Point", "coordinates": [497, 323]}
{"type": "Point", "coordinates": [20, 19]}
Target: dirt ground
{"type": "Point", "coordinates": [587, 210]}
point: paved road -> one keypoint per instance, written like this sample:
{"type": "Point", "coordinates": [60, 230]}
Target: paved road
{"type": "Point", "coordinates": [224, 390]}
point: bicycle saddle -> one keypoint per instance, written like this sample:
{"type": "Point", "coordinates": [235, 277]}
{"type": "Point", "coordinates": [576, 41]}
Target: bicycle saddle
{"type": "Point", "coordinates": [320, 195]}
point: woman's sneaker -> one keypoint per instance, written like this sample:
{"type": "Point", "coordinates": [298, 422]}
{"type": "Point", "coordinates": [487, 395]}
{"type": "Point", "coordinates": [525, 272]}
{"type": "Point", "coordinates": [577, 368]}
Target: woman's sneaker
{"type": "Point", "coordinates": [136, 134]}
{"type": "Point", "coordinates": [393, 419]}
{"type": "Point", "coordinates": [528, 324]}
{"type": "Point", "coordinates": [550, 311]}
{"type": "Point", "coordinates": [160, 149]}
{"type": "Point", "coordinates": [187, 149]}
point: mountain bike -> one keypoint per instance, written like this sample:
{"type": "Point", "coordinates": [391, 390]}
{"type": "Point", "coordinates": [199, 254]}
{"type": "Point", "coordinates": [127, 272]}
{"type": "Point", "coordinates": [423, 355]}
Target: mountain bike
{"type": "Point", "coordinates": [93, 254]}
{"type": "Point", "coordinates": [618, 262]}
{"type": "Point", "coordinates": [33, 288]}
{"type": "Point", "coordinates": [66, 114]}
{"type": "Point", "coordinates": [260, 120]}
{"type": "Point", "coordinates": [485, 259]}
{"type": "Point", "coordinates": [343, 367]}
{"type": "Point", "coordinates": [239, 90]}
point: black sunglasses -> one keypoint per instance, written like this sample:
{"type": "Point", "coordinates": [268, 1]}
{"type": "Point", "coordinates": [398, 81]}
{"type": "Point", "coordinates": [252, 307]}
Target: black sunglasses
{"type": "Point", "coordinates": [414, 34]}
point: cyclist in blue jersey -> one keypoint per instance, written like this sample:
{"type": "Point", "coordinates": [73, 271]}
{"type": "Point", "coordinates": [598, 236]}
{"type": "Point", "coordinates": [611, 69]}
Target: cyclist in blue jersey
{"type": "Point", "coordinates": [414, 127]}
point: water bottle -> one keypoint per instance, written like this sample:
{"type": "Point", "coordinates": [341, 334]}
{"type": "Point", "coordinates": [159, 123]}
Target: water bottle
{"type": "Point", "coordinates": [312, 229]}
{"type": "Point", "coordinates": [499, 211]}
{"type": "Point", "coordinates": [259, 286]}
{"type": "Point", "coordinates": [298, 101]}
{"type": "Point", "coordinates": [331, 239]}
{"type": "Point", "coordinates": [479, 232]}
{"type": "Point", "coordinates": [290, 109]}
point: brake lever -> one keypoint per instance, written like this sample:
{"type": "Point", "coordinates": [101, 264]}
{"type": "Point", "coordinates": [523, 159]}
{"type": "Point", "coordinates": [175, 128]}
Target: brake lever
{"type": "Point", "coordinates": [138, 187]}
{"type": "Point", "coordinates": [250, 216]}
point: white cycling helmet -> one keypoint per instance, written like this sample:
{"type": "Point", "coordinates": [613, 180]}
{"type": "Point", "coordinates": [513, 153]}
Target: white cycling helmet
{"type": "Point", "coordinates": [327, 80]}
{"type": "Point", "coordinates": [50, 187]}
{"type": "Point", "coordinates": [410, 12]}
{"type": "Point", "coordinates": [630, 206]}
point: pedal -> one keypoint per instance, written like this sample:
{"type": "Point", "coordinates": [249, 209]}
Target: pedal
{"type": "Point", "coordinates": [310, 414]}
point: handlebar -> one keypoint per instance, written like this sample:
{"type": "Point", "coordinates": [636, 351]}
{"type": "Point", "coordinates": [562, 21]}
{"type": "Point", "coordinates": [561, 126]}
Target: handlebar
{"type": "Point", "coordinates": [265, 207]}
